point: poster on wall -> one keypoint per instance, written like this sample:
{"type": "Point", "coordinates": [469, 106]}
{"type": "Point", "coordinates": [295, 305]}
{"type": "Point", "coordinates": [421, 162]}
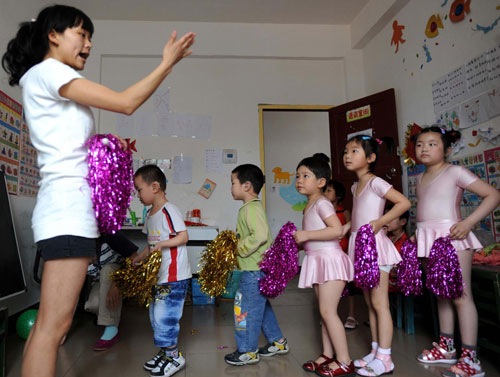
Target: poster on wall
{"type": "Point", "coordinates": [29, 173]}
{"type": "Point", "coordinates": [10, 134]}
{"type": "Point", "coordinates": [492, 158]}
{"type": "Point", "coordinates": [470, 201]}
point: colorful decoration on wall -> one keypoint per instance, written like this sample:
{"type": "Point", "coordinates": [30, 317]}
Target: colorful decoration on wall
{"type": "Point", "coordinates": [290, 195]}
{"type": "Point", "coordinates": [427, 53]}
{"type": "Point", "coordinates": [397, 35]}
{"type": "Point", "coordinates": [280, 176]}
{"type": "Point", "coordinates": [131, 144]}
{"type": "Point", "coordinates": [409, 149]}
{"type": "Point", "coordinates": [458, 10]}
{"type": "Point", "coordinates": [487, 29]}
{"type": "Point", "coordinates": [450, 119]}
{"type": "Point", "coordinates": [433, 26]}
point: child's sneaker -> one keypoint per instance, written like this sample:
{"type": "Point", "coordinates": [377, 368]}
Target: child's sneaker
{"type": "Point", "coordinates": [242, 358]}
{"type": "Point", "coordinates": [275, 348]}
{"type": "Point", "coordinates": [153, 363]}
{"type": "Point", "coordinates": [167, 366]}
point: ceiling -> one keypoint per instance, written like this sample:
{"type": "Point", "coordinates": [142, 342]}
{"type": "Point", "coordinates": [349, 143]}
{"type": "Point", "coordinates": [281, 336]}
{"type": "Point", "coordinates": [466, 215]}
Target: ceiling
{"type": "Point", "coordinates": [321, 12]}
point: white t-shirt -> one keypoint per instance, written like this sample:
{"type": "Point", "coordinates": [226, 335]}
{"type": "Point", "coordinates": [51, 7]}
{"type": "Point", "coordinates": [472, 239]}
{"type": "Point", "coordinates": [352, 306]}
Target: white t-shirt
{"type": "Point", "coordinates": [161, 226]}
{"type": "Point", "coordinates": [59, 129]}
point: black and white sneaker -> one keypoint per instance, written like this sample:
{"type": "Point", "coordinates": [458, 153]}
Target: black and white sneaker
{"type": "Point", "coordinates": [168, 366]}
{"type": "Point", "coordinates": [242, 358]}
{"type": "Point", "coordinates": [275, 348]}
{"type": "Point", "coordinates": [153, 363]}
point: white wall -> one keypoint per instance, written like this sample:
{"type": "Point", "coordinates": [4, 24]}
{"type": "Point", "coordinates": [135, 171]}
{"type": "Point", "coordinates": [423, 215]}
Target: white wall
{"type": "Point", "coordinates": [457, 42]}
{"type": "Point", "coordinates": [234, 68]}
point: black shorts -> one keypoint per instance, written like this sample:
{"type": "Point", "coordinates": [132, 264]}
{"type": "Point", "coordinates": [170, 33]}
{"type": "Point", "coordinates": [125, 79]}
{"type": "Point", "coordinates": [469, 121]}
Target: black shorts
{"type": "Point", "coordinates": [67, 247]}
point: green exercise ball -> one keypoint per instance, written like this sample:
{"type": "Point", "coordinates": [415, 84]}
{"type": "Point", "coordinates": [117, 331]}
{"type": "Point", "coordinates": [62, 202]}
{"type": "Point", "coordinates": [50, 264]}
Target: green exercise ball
{"type": "Point", "coordinates": [25, 322]}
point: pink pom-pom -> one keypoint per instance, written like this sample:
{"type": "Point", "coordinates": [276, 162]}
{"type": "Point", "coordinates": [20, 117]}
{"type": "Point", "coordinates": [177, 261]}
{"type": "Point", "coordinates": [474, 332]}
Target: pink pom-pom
{"type": "Point", "coordinates": [110, 179]}
{"type": "Point", "coordinates": [409, 272]}
{"type": "Point", "coordinates": [280, 262]}
{"type": "Point", "coordinates": [366, 268]}
{"type": "Point", "coordinates": [444, 275]}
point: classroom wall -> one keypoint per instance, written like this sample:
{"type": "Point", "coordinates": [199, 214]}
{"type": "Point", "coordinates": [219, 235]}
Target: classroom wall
{"type": "Point", "coordinates": [234, 68]}
{"type": "Point", "coordinates": [408, 70]}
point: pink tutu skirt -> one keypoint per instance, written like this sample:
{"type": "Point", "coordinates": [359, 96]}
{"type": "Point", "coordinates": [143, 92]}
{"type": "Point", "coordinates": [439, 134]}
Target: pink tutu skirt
{"type": "Point", "coordinates": [427, 232]}
{"type": "Point", "coordinates": [387, 252]}
{"type": "Point", "coordinates": [322, 265]}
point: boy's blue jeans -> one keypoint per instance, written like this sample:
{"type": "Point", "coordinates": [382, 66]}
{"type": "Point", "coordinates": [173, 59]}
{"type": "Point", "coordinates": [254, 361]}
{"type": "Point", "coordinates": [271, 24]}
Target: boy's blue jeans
{"type": "Point", "coordinates": [253, 313]}
{"type": "Point", "coordinates": [166, 310]}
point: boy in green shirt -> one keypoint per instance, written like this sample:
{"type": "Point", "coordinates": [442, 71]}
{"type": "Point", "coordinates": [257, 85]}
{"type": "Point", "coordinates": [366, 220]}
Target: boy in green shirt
{"type": "Point", "coordinates": [252, 311]}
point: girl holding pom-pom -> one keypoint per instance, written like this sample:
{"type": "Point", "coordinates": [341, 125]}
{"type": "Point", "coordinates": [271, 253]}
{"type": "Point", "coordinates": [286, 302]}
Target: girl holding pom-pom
{"type": "Point", "coordinates": [325, 267]}
{"type": "Point", "coordinates": [369, 195]}
{"type": "Point", "coordinates": [43, 59]}
{"type": "Point", "coordinates": [439, 192]}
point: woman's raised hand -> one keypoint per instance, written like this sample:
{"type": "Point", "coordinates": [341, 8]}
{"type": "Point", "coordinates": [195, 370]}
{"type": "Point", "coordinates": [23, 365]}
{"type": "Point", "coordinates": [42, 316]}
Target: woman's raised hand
{"type": "Point", "coordinates": [175, 50]}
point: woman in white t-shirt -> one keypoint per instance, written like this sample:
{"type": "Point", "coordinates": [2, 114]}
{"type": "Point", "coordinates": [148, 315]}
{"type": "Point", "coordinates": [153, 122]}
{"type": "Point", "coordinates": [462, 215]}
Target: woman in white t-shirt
{"type": "Point", "coordinates": [43, 59]}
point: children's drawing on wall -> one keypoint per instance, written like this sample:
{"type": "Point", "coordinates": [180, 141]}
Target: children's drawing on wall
{"type": "Point", "coordinates": [473, 112]}
{"type": "Point", "coordinates": [458, 10]}
{"type": "Point", "coordinates": [433, 25]}
{"type": "Point", "coordinates": [280, 176]}
{"type": "Point", "coordinates": [450, 119]}
{"type": "Point", "coordinates": [397, 35]}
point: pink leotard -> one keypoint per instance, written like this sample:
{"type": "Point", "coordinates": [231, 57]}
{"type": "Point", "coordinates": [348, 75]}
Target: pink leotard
{"type": "Point", "coordinates": [367, 206]}
{"type": "Point", "coordinates": [324, 260]}
{"type": "Point", "coordinates": [438, 208]}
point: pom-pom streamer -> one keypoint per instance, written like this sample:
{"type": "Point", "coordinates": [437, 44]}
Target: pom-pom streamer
{"type": "Point", "coordinates": [280, 262]}
{"type": "Point", "coordinates": [366, 268]}
{"type": "Point", "coordinates": [409, 272]}
{"type": "Point", "coordinates": [444, 275]}
{"type": "Point", "coordinates": [110, 179]}
{"type": "Point", "coordinates": [138, 280]}
{"type": "Point", "coordinates": [217, 262]}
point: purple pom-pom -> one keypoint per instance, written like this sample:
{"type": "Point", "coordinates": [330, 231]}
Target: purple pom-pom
{"type": "Point", "coordinates": [366, 268]}
{"type": "Point", "coordinates": [110, 179]}
{"type": "Point", "coordinates": [409, 272]}
{"type": "Point", "coordinates": [280, 262]}
{"type": "Point", "coordinates": [444, 275]}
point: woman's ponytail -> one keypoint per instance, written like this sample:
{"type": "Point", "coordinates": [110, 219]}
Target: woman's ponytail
{"type": "Point", "coordinates": [22, 53]}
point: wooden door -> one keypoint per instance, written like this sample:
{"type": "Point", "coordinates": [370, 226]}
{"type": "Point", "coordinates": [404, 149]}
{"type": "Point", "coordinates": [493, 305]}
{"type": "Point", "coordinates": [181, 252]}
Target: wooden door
{"type": "Point", "coordinates": [382, 121]}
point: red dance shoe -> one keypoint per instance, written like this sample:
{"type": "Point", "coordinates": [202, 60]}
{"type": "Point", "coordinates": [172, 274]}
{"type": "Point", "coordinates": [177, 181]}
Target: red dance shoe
{"type": "Point", "coordinates": [103, 345]}
{"type": "Point", "coordinates": [312, 366]}
{"type": "Point", "coordinates": [342, 370]}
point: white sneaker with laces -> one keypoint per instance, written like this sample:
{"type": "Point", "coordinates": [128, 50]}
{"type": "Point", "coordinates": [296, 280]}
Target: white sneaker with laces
{"type": "Point", "coordinates": [168, 366]}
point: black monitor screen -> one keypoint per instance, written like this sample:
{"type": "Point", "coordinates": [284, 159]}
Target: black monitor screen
{"type": "Point", "coordinates": [11, 271]}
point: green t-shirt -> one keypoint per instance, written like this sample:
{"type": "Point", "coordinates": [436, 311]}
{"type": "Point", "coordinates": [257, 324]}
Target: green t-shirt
{"type": "Point", "coordinates": [254, 236]}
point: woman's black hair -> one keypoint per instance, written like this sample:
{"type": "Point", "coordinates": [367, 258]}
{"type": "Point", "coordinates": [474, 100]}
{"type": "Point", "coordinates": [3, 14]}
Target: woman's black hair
{"type": "Point", "coordinates": [339, 189]}
{"type": "Point", "coordinates": [31, 42]}
{"type": "Point", "coordinates": [447, 137]}
{"type": "Point", "coordinates": [318, 166]}
{"type": "Point", "coordinates": [371, 145]}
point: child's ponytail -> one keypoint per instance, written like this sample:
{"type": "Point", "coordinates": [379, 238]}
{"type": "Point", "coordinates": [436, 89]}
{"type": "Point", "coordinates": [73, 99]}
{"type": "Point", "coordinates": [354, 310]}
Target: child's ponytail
{"type": "Point", "coordinates": [21, 53]}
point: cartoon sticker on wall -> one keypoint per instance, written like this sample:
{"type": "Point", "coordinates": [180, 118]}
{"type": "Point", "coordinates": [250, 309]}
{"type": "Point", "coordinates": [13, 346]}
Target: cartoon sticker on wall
{"type": "Point", "coordinates": [458, 10]}
{"type": "Point", "coordinates": [397, 35]}
{"type": "Point", "coordinates": [288, 193]}
{"type": "Point", "coordinates": [433, 26]}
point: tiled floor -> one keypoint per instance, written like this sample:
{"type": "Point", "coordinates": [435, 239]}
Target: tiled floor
{"type": "Point", "coordinates": [207, 335]}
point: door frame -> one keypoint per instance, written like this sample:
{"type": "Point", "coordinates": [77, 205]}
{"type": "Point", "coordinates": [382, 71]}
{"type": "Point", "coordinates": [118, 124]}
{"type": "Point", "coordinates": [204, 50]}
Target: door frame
{"type": "Point", "coordinates": [268, 107]}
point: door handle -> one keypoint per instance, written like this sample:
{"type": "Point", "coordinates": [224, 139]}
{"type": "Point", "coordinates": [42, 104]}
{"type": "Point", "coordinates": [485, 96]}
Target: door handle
{"type": "Point", "coordinates": [391, 173]}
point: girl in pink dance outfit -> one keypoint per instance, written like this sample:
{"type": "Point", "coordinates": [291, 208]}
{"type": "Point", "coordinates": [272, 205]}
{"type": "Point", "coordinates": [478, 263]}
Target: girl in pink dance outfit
{"type": "Point", "coordinates": [439, 191]}
{"type": "Point", "coordinates": [369, 195]}
{"type": "Point", "coordinates": [325, 267]}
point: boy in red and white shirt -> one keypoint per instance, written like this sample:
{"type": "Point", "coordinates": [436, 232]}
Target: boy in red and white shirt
{"type": "Point", "coordinates": [166, 232]}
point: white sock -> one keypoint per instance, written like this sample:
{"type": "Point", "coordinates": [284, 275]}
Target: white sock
{"type": "Point", "coordinates": [374, 345]}
{"type": "Point", "coordinates": [384, 351]}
